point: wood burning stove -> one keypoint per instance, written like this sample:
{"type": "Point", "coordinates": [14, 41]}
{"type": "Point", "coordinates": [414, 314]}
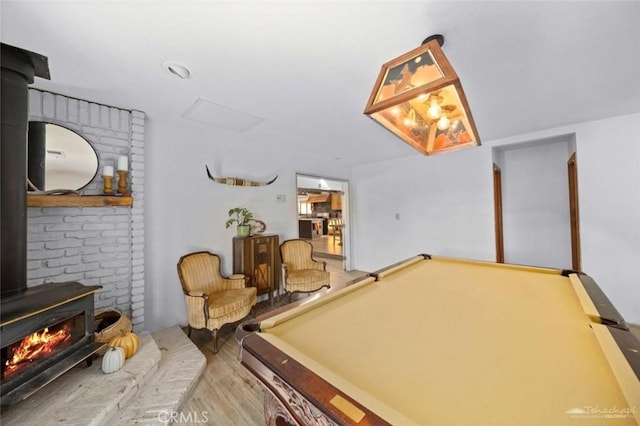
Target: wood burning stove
{"type": "Point", "coordinates": [47, 329]}
{"type": "Point", "coordinates": [44, 331]}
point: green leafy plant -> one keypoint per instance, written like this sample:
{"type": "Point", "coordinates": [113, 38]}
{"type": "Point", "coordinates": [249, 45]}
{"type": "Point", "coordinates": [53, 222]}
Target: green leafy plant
{"type": "Point", "coordinates": [239, 215]}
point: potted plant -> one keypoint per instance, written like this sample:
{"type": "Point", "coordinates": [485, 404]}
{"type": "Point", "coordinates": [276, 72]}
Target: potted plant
{"type": "Point", "coordinates": [241, 216]}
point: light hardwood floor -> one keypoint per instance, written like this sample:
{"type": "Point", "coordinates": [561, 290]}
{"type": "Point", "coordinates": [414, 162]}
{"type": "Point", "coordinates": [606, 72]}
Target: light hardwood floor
{"type": "Point", "coordinates": [326, 244]}
{"type": "Point", "coordinates": [227, 394]}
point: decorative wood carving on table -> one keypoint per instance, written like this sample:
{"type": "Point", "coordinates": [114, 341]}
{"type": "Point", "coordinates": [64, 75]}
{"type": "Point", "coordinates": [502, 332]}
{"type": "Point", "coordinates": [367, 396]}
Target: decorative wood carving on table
{"type": "Point", "coordinates": [273, 409]}
{"type": "Point", "coordinates": [237, 181]}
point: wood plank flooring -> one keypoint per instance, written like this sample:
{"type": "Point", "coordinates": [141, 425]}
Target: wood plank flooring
{"type": "Point", "coordinates": [326, 245]}
{"type": "Point", "coordinates": [227, 394]}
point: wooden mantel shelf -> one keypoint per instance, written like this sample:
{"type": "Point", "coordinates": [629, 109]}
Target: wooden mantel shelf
{"type": "Point", "coordinates": [37, 200]}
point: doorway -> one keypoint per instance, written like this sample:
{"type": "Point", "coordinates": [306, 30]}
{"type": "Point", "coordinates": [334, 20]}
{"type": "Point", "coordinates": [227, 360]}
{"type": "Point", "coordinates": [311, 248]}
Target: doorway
{"type": "Point", "coordinates": [536, 203]}
{"type": "Point", "coordinates": [322, 212]}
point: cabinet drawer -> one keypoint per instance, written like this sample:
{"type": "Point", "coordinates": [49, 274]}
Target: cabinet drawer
{"type": "Point", "coordinates": [262, 240]}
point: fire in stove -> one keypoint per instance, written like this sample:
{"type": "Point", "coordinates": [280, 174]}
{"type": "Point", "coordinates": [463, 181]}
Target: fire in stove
{"type": "Point", "coordinates": [36, 346]}
{"type": "Point", "coordinates": [44, 332]}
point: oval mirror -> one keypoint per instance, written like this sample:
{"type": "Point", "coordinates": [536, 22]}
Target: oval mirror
{"type": "Point", "coordinates": [59, 158]}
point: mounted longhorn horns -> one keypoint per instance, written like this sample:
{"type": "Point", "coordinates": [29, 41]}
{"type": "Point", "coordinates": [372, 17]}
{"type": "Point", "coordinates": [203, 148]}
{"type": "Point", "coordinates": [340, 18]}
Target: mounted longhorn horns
{"type": "Point", "coordinates": [237, 181]}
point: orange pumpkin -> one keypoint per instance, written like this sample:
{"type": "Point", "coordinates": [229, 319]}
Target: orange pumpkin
{"type": "Point", "coordinates": [128, 342]}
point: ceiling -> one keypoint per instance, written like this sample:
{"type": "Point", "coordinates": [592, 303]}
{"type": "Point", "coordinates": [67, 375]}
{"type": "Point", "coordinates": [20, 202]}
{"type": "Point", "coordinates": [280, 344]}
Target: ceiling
{"type": "Point", "coordinates": [304, 69]}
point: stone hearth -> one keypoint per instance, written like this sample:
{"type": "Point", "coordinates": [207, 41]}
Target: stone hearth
{"type": "Point", "coordinates": [150, 386]}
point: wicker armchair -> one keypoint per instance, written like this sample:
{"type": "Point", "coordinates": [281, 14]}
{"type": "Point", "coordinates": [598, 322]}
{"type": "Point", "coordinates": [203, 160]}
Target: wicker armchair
{"type": "Point", "coordinates": [301, 272]}
{"type": "Point", "coordinates": [213, 300]}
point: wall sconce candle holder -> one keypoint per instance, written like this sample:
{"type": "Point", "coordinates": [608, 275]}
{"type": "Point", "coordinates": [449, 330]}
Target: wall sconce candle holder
{"type": "Point", "coordinates": [419, 98]}
{"type": "Point", "coordinates": [123, 187]}
{"type": "Point", "coordinates": [107, 188]}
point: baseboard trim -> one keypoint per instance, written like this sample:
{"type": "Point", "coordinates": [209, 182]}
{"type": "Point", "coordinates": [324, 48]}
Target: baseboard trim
{"type": "Point", "coordinates": [328, 256]}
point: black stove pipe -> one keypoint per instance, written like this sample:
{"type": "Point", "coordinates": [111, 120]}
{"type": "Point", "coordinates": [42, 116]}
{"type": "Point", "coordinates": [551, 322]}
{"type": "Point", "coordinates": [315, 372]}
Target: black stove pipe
{"type": "Point", "coordinates": [18, 69]}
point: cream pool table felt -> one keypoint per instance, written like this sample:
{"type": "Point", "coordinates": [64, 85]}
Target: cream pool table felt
{"type": "Point", "coordinates": [444, 341]}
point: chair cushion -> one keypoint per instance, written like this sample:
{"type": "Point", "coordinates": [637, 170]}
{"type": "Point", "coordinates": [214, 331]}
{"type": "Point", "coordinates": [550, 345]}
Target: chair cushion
{"type": "Point", "coordinates": [228, 302]}
{"type": "Point", "coordinates": [307, 280]}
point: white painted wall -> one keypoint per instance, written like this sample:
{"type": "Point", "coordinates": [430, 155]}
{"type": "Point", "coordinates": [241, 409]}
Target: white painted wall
{"type": "Point", "coordinates": [187, 211]}
{"type": "Point", "coordinates": [444, 202]}
{"type": "Point", "coordinates": [535, 204]}
{"type": "Point", "coordinates": [445, 205]}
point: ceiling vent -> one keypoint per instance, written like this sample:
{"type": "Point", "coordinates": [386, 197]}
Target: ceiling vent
{"type": "Point", "coordinates": [220, 116]}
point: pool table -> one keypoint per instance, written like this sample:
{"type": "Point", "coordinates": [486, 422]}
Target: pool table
{"type": "Point", "coordinates": [444, 341]}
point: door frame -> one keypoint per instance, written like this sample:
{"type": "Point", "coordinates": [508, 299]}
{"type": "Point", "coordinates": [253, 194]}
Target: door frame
{"type": "Point", "coordinates": [497, 206]}
{"type": "Point", "coordinates": [346, 234]}
{"type": "Point", "coordinates": [574, 216]}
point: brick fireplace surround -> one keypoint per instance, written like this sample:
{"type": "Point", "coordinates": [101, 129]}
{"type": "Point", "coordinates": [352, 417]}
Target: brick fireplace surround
{"type": "Point", "coordinates": [93, 245]}
{"type": "Point", "coordinates": [73, 259]}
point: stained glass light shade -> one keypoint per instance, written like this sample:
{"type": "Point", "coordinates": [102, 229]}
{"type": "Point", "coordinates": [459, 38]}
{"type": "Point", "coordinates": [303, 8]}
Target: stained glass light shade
{"type": "Point", "coordinates": [419, 98]}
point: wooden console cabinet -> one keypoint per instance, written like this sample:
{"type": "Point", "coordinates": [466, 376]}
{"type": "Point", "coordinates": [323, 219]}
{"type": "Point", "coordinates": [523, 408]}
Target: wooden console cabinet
{"type": "Point", "coordinates": [258, 258]}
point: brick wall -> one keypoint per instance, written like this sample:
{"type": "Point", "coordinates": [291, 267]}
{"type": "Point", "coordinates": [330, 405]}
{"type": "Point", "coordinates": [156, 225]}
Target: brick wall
{"type": "Point", "coordinates": [93, 245]}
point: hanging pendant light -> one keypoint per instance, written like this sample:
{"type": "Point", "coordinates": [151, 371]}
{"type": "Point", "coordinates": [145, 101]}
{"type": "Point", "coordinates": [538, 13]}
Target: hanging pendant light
{"type": "Point", "coordinates": [422, 88]}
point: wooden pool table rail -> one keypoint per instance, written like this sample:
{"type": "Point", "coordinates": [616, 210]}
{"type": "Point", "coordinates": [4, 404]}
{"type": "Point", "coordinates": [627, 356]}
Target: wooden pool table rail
{"type": "Point", "coordinates": [608, 314]}
{"type": "Point", "coordinates": [629, 345]}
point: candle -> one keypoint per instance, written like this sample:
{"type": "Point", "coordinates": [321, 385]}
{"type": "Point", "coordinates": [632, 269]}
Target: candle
{"type": "Point", "coordinates": [123, 163]}
{"type": "Point", "coordinates": [107, 171]}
